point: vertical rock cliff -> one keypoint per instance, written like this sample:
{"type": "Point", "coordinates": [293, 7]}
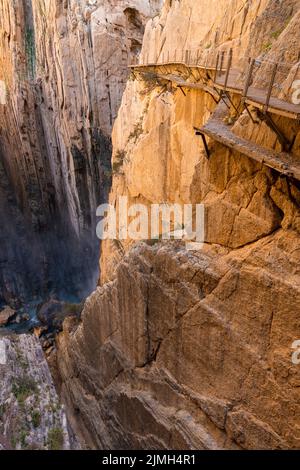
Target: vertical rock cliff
{"type": "Point", "coordinates": [31, 416]}
{"type": "Point", "coordinates": [64, 68]}
{"type": "Point", "coordinates": [180, 349]}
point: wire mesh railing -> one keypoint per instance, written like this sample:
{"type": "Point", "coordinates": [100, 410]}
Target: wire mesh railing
{"type": "Point", "coordinates": [264, 79]}
{"type": "Point", "coordinates": [192, 57]}
{"type": "Point", "coordinates": [279, 79]}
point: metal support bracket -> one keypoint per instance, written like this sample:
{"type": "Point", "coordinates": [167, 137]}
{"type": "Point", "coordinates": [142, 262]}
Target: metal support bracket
{"type": "Point", "coordinates": [221, 95]}
{"type": "Point", "coordinates": [231, 102]}
{"type": "Point", "coordinates": [181, 89]}
{"type": "Point", "coordinates": [213, 97]}
{"type": "Point", "coordinates": [286, 144]}
{"type": "Point", "coordinates": [243, 103]}
{"type": "Point", "coordinates": [203, 136]}
{"type": "Point", "coordinates": [133, 74]}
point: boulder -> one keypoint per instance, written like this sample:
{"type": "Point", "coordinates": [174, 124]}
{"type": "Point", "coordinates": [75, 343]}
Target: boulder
{"type": "Point", "coordinates": [6, 315]}
{"type": "Point", "coordinates": [21, 318]}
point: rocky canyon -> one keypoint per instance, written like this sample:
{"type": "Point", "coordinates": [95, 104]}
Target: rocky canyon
{"type": "Point", "coordinates": [64, 65]}
{"type": "Point", "coordinates": [63, 69]}
{"type": "Point", "coordinates": [170, 102]}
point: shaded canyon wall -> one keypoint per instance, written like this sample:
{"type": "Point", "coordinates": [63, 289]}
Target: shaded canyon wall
{"type": "Point", "coordinates": [64, 64]}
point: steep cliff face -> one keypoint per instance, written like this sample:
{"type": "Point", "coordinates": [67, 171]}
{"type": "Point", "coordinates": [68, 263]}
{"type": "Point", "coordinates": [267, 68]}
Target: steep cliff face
{"type": "Point", "coordinates": [31, 416]}
{"type": "Point", "coordinates": [64, 65]}
{"type": "Point", "coordinates": [183, 349]}
{"type": "Point", "coordinates": [188, 351]}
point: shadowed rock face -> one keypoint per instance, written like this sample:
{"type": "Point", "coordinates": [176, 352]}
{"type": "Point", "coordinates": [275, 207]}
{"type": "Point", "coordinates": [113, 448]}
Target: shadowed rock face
{"type": "Point", "coordinates": [193, 350]}
{"type": "Point", "coordinates": [64, 65]}
{"type": "Point", "coordinates": [34, 262]}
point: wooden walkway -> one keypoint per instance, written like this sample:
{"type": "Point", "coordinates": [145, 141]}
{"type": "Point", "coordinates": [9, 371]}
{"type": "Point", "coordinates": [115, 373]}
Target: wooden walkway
{"type": "Point", "coordinates": [284, 163]}
{"type": "Point", "coordinates": [232, 89]}
{"type": "Point", "coordinates": [222, 79]}
{"type": "Point", "coordinates": [257, 97]}
{"type": "Point", "coordinates": [173, 64]}
{"type": "Point", "coordinates": [181, 83]}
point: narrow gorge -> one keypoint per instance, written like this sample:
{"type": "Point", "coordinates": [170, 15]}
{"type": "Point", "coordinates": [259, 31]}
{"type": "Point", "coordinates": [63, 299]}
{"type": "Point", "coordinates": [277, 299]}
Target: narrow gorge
{"type": "Point", "coordinates": [65, 67]}
{"type": "Point", "coordinates": [152, 343]}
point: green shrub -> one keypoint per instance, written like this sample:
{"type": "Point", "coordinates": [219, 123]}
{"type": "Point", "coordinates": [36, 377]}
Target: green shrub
{"type": "Point", "coordinates": [137, 131]}
{"type": "Point", "coordinates": [119, 159]}
{"type": "Point", "coordinates": [13, 442]}
{"type": "Point", "coordinates": [73, 309]}
{"type": "Point", "coordinates": [2, 410]}
{"type": "Point", "coordinates": [30, 51]}
{"type": "Point", "coordinates": [55, 439]}
{"type": "Point", "coordinates": [267, 46]}
{"type": "Point", "coordinates": [24, 387]}
{"type": "Point", "coordinates": [276, 34]}
{"type": "Point", "coordinates": [22, 438]}
{"type": "Point", "coordinates": [36, 418]}
{"type": "Point", "coordinates": [150, 82]}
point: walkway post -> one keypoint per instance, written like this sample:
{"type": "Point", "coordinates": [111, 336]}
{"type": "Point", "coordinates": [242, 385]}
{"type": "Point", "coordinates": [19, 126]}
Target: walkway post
{"type": "Point", "coordinates": [206, 63]}
{"type": "Point", "coordinates": [186, 57]}
{"type": "Point", "coordinates": [273, 75]}
{"type": "Point", "coordinates": [222, 61]}
{"type": "Point", "coordinates": [228, 68]}
{"type": "Point", "coordinates": [217, 65]}
{"type": "Point", "coordinates": [248, 77]}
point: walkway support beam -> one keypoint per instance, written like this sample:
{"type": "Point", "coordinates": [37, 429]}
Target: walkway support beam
{"type": "Point", "coordinates": [203, 136]}
{"type": "Point", "coordinates": [273, 75]}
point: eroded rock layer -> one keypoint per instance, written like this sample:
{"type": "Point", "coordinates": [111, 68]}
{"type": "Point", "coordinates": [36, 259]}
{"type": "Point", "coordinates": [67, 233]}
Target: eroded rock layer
{"type": "Point", "coordinates": [183, 349]}
{"type": "Point", "coordinates": [31, 415]}
{"type": "Point", "coordinates": [189, 350]}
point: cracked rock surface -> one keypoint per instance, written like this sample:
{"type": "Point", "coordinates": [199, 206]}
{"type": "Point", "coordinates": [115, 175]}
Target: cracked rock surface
{"type": "Point", "coordinates": [189, 350]}
{"type": "Point", "coordinates": [31, 415]}
{"type": "Point", "coordinates": [193, 350]}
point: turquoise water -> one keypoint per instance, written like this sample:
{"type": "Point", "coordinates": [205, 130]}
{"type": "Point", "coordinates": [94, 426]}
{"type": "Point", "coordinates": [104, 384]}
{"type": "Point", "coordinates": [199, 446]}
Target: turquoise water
{"type": "Point", "coordinates": [30, 308]}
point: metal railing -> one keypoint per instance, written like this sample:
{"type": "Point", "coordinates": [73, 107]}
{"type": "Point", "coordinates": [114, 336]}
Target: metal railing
{"type": "Point", "coordinates": [267, 78]}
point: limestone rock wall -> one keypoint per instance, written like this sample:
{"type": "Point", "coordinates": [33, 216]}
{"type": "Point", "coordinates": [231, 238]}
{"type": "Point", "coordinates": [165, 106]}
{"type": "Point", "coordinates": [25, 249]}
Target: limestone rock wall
{"type": "Point", "coordinates": [155, 136]}
{"type": "Point", "coordinates": [32, 416]}
{"type": "Point", "coordinates": [64, 65]}
{"type": "Point", "coordinates": [182, 349]}
{"type": "Point", "coordinates": [189, 351]}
